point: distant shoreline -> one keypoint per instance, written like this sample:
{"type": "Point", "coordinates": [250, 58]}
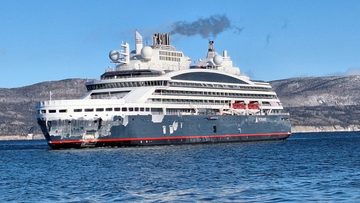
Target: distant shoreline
{"type": "Point", "coordinates": [21, 137]}
{"type": "Point", "coordinates": [314, 129]}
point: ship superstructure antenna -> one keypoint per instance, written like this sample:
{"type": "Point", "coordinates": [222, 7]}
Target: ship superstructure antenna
{"type": "Point", "coordinates": [125, 53]}
{"type": "Point", "coordinates": [138, 42]}
{"type": "Point", "coordinates": [122, 56]}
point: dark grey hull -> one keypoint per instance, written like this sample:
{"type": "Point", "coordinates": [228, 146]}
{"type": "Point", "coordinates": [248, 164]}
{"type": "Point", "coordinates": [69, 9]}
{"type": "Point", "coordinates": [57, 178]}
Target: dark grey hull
{"type": "Point", "coordinates": [168, 130]}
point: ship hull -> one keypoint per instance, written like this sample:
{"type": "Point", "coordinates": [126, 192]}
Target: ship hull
{"type": "Point", "coordinates": [150, 130]}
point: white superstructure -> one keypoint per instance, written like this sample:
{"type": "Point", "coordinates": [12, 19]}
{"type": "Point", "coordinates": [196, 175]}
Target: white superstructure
{"type": "Point", "coordinates": [159, 80]}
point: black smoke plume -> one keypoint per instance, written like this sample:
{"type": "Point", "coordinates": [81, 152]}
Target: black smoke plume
{"type": "Point", "coordinates": [205, 27]}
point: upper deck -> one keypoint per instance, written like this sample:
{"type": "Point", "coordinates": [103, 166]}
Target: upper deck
{"type": "Point", "coordinates": [160, 79]}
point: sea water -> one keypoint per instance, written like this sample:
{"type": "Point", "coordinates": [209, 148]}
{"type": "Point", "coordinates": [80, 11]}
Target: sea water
{"type": "Point", "coordinates": [321, 167]}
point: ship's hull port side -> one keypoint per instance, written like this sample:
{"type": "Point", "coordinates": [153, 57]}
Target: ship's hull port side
{"type": "Point", "coordinates": [172, 130]}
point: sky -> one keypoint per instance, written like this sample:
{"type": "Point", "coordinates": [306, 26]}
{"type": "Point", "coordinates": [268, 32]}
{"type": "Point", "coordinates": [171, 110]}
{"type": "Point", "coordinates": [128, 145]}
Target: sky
{"type": "Point", "coordinates": [44, 40]}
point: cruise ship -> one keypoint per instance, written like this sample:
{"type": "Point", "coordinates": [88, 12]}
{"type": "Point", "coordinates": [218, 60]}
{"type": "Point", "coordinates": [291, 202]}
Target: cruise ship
{"type": "Point", "coordinates": [155, 95]}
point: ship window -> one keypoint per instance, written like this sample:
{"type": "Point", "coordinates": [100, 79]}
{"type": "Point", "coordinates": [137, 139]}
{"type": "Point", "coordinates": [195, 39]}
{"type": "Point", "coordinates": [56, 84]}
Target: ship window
{"type": "Point", "coordinates": [52, 111]}
{"type": "Point", "coordinates": [209, 77]}
{"type": "Point", "coordinates": [136, 108]}
{"type": "Point", "coordinates": [141, 108]}
{"type": "Point", "coordinates": [147, 109]}
{"type": "Point", "coordinates": [108, 109]}
{"type": "Point", "coordinates": [124, 109]}
{"type": "Point", "coordinates": [131, 109]}
{"type": "Point", "coordinates": [77, 110]}
{"type": "Point", "coordinates": [116, 109]}
{"type": "Point", "coordinates": [214, 129]}
{"type": "Point", "coordinates": [100, 109]}
{"type": "Point", "coordinates": [156, 110]}
{"type": "Point", "coordinates": [89, 110]}
{"type": "Point", "coordinates": [43, 111]}
{"type": "Point", "coordinates": [62, 111]}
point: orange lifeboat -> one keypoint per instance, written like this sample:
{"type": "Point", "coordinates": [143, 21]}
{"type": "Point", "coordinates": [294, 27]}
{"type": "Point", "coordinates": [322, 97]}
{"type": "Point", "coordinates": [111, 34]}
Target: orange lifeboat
{"type": "Point", "coordinates": [253, 105]}
{"type": "Point", "coordinates": [239, 105]}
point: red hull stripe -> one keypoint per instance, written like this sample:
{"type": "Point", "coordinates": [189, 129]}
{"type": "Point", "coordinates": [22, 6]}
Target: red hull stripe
{"type": "Point", "coordinates": [167, 138]}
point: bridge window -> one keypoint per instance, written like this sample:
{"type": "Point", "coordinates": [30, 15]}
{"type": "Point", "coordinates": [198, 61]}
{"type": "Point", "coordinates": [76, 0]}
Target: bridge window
{"type": "Point", "coordinates": [209, 77]}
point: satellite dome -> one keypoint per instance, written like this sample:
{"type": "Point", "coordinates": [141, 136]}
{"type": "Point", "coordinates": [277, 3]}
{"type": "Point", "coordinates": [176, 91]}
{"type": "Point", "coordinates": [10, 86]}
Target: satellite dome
{"type": "Point", "coordinates": [218, 60]}
{"type": "Point", "coordinates": [146, 53]}
{"type": "Point", "coordinates": [114, 55]}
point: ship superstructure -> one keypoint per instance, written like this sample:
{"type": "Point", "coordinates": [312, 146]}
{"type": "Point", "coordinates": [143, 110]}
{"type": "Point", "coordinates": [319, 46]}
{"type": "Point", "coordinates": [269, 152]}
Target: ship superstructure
{"type": "Point", "coordinates": [154, 95]}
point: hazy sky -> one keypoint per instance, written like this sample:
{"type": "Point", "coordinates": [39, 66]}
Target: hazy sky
{"type": "Point", "coordinates": [268, 39]}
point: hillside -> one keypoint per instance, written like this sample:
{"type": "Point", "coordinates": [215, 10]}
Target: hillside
{"type": "Point", "coordinates": [319, 91]}
{"type": "Point", "coordinates": [315, 104]}
{"type": "Point", "coordinates": [17, 105]}
{"type": "Point", "coordinates": [321, 103]}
